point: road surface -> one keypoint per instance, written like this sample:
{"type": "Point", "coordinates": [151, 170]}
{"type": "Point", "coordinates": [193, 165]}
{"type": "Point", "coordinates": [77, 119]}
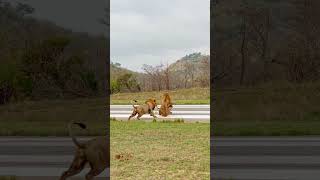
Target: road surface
{"type": "Point", "coordinates": [193, 113]}
{"type": "Point", "coordinates": [236, 158]}
{"type": "Point", "coordinates": [266, 158]}
{"type": "Point", "coordinates": [38, 158]}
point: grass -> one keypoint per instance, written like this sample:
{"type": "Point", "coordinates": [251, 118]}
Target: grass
{"type": "Point", "coordinates": [141, 150]}
{"type": "Point", "coordinates": [50, 118]}
{"type": "Point", "coordinates": [8, 178]}
{"type": "Point", "coordinates": [267, 128]}
{"type": "Point", "coordinates": [273, 110]}
{"type": "Point", "coordinates": [182, 96]}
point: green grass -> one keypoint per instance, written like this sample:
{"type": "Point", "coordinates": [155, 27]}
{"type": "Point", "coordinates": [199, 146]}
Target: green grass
{"type": "Point", "coordinates": [8, 178]}
{"type": "Point", "coordinates": [274, 110]}
{"type": "Point", "coordinates": [182, 96]}
{"type": "Point", "coordinates": [160, 150]}
{"type": "Point", "coordinates": [50, 118]}
{"type": "Point", "coordinates": [269, 110]}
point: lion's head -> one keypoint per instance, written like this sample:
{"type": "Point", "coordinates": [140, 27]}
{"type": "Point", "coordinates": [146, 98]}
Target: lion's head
{"type": "Point", "coordinates": [152, 103]}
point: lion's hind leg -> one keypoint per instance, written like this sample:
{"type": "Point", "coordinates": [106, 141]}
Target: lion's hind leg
{"type": "Point", "coordinates": [133, 114]}
{"type": "Point", "coordinates": [75, 168]}
{"type": "Point", "coordinates": [139, 116]}
{"type": "Point", "coordinates": [94, 172]}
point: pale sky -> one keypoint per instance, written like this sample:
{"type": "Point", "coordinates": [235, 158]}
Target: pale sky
{"type": "Point", "coordinates": [152, 31]}
{"type": "Point", "coordinates": [142, 31]}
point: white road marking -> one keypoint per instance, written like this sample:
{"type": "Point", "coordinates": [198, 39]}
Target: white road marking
{"type": "Point", "coordinates": [173, 112]}
{"type": "Point", "coordinates": [185, 112]}
{"type": "Point", "coordinates": [147, 116]}
{"type": "Point", "coordinates": [200, 106]}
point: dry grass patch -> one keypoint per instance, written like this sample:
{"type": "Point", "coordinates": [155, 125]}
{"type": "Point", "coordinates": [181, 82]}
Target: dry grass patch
{"type": "Point", "coordinates": [181, 96]}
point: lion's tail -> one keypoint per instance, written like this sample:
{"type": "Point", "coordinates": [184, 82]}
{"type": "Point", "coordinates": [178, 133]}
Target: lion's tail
{"type": "Point", "coordinates": [74, 139]}
{"type": "Point", "coordinates": [133, 103]}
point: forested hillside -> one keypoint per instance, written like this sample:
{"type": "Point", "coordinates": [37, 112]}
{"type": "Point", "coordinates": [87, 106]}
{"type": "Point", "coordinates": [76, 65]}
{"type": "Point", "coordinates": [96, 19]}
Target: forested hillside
{"type": "Point", "coordinates": [266, 41]}
{"type": "Point", "coordinates": [40, 60]}
{"type": "Point", "coordinates": [190, 71]}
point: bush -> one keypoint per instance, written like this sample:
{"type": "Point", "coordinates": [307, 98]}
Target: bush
{"type": "Point", "coordinates": [127, 82]}
{"type": "Point", "coordinates": [115, 87]}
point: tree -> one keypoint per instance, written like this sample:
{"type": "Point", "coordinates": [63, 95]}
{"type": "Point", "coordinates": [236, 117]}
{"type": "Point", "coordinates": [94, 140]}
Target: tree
{"type": "Point", "coordinates": [127, 81]}
{"type": "Point", "coordinates": [189, 73]}
{"type": "Point", "coordinates": [167, 77]}
{"type": "Point", "coordinates": [260, 24]}
{"type": "Point", "coordinates": [303, 49]}
{"type": "Point", "coordinates": [155, 75]}
{"type": "Point", "coordinates": [115, 87]}
{"type": "Point", "coordinates": [205, 70]}
{"type": "Point", "coordinates": [243, 48]}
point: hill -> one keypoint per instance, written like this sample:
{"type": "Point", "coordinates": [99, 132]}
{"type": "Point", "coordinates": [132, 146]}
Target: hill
{"type": "Point", "coordinates": [41, 60]}
{"type": "Point", "coordinates": [195, 59]}
{"type": "Point", "coordinates": [116, 70]}
{"type": "Point", "coordinates": [190, 71]}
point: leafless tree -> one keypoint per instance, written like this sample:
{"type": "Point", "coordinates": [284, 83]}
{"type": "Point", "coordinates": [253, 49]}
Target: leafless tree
{"type": "Point", "coordinates": [259, 24]}
{"type": "Point", "coordinates": [167, 76]}
{"type": "Point", "coordinates": [243, 48]}
{"type": "Point", "coordinates": [155, 75]}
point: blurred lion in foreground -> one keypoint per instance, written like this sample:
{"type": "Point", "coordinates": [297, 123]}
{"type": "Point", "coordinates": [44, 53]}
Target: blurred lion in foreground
{"type": "Point", "coordinates": [93, 152]}
{"type": "Point", "coordinates": [166, 105]}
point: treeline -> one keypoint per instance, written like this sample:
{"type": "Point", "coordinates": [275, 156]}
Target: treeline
{"type": "Point", "coordinates": [40, 60]}
{"type": "Point", "coordinates": [193, 70]}
{"type": "Point", "coordinates": [257, 42]}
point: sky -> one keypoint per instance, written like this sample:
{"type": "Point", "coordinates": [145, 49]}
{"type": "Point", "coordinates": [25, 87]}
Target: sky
{"type": "Point", "coordinates": [142, 31]}
{"type": "Point", "coordinates": [153, 32]}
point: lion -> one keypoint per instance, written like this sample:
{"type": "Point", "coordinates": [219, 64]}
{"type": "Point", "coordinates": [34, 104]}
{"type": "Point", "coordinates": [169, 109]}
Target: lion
{"type": "Point", "coordinates": [94, 152]}
{"type": "Point", "coordinates": [148, 107]}
{"type": "Point", "coordinates": [166, 105]}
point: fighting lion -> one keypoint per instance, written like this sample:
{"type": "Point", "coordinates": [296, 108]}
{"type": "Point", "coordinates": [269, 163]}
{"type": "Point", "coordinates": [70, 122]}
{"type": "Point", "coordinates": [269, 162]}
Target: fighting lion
{"type": "Point", "coordinates": [146, 108]}
{"type": "Point", "coordinates": [166, 105]}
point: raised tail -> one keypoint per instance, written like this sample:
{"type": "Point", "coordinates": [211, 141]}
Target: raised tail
{"type": "Point", "coordinates": [74, 139]}
{"type": "Point", "coordinates": [134, 101]}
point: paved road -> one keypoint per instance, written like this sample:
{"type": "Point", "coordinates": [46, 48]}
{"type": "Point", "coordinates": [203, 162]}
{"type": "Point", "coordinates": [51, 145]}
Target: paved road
{"type": "Point", "coordinates": [37, 158]}
{"type": "Point", "coordinates": [267, 158]}
{"type": "Point", "coordinates": [255, 158]}
{"type": "Point", "coordinates": [200, 113]}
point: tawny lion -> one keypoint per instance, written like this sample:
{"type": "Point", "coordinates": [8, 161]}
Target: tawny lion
{"type": "Point", "coordinates": [166, 105]}
{"type": "Point", "coordinates": [93, 152]}
{"type": "Point", "coordinates": [148, 107]}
